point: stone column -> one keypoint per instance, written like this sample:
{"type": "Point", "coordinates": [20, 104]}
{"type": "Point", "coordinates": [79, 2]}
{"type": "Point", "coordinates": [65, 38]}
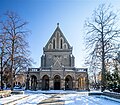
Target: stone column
{"type": "Point", "coordinates": [84, 83]}
{"type": "Point", "coordinates": [74, 85]}
{"type": "Point", "coordinates": [62, 84]}
{"type": "Point", "coordinates": [39, 80]}
{"type": "Point", "coordinates": [40, 84]}
{"type": "Point", "coordinates": [30, 83]}
{"type": "Point", "coordinates": [51, 84]}
{"type": "Point", "coordinates": [87, 83]}
{"type": "Point", "coordinates": [27, 82]}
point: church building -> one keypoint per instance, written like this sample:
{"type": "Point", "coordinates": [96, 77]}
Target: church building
{"type": "Point", "coordinates": [57, 71]}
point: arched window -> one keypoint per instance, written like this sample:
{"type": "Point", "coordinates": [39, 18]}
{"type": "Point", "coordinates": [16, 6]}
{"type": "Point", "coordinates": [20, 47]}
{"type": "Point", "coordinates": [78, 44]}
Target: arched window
{"type": "Point", "coordinates": [53, 43]}
{"type": "Point", "coordinates": [50, 46]}
{"type": "Point", "coordinates": [65, 46]}
{"type": "Point", "coordinates": [61, 43]}
{"type": "Point", "coordinates": [57, 39]}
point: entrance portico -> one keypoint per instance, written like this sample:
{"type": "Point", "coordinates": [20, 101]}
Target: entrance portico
{"type": "Point", "coordinates": [57, 70]}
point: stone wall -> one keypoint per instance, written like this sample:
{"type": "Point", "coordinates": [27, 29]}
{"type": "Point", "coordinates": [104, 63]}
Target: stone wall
{"type": "Point", "coordinates": [109, 94]}
{"type": "Point", "coordinates": [112, 94]}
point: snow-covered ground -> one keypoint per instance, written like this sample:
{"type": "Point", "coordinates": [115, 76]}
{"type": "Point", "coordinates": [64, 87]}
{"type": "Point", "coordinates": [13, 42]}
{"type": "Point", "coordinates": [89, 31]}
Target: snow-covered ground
{"type": "Point", "coordinates": [31, 99]}
{"type": "Point", "coordinates": [69, 98]}
{"type": "Point", "coordinates": [77, 99]}
{"type": "Point", "coordinates": [52, 91]}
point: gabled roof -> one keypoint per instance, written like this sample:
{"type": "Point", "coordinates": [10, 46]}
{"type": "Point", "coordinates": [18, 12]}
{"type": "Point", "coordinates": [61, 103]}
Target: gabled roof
{"type": "Point", "coordinates": [54, 35]}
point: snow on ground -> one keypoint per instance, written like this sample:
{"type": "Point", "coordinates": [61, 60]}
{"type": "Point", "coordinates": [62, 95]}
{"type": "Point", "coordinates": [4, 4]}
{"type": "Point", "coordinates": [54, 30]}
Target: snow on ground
{"type": "Point", "coordinates": [77, 99]}
{"type": "Point", "coordinates": [11, 98]}
{"type": "Point", "coordinates": [51, 91]}
{"type": "Point", "coordinates": [70, 98]}
{"type": "Point", "coordinates": [32, 99]}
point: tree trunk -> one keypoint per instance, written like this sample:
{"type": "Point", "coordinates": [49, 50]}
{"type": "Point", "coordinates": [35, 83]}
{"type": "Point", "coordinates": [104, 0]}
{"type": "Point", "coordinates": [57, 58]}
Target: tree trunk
{"type": "Point", "coordinates": [103, 79]}
{"type": "Point", "coordinates": [12, 65]}
{"type": "Point", "coordinates": [1, 72]}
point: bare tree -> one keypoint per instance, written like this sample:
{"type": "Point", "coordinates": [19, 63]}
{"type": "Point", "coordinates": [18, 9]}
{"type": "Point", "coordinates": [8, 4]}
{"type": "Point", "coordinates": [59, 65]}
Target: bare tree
{"type": "Point", "coordinates": [93, 70]}
{"type": "Point", "coordinates": [102, 36]}
{"type": "Point", "coordinates": [3, 54]}
{"type": "Point", "coordinates": [16, 46]}
{"type": "Point", "coordinates": [2, 45]}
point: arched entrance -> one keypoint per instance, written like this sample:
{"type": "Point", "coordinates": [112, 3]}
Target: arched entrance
{"type": "Point", "coordinates": [33, 82]}
{"type": "Point", "coordinates": [68, 83]}
{"type": "Point", "coordinates": [57, 82]}
{"type": "Point", "coordinates": [45, 82]}
{"type": "Point", "coordinates": [81, 83]}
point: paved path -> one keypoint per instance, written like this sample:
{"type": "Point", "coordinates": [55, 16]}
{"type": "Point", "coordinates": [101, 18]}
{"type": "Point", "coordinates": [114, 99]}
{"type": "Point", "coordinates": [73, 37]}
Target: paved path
{"type": "Point", "coordinates": [53, 100]}
{"type": "Point", "coordinates": [12, 99]}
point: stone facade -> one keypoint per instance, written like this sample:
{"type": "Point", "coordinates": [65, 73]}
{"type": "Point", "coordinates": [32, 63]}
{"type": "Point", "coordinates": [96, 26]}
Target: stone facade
{"type": "Point", "coordinates": [57, 69]}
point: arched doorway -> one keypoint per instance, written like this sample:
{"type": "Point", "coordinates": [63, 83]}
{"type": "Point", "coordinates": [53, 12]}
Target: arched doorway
{"type": "Point", "coordinates": [81, 83]}
{"type": "Point", "coordinates": [33, 82]}
{"type": "Point", "coordinates": [57, 82]}
{"type": "Point", "coordinates": [45, 82]}
{"type": "Point", "coordinates": [68, 83]}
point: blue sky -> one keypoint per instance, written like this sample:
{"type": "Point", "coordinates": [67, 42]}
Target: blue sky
{"type": "Point", "coordinates": [43, 16]}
